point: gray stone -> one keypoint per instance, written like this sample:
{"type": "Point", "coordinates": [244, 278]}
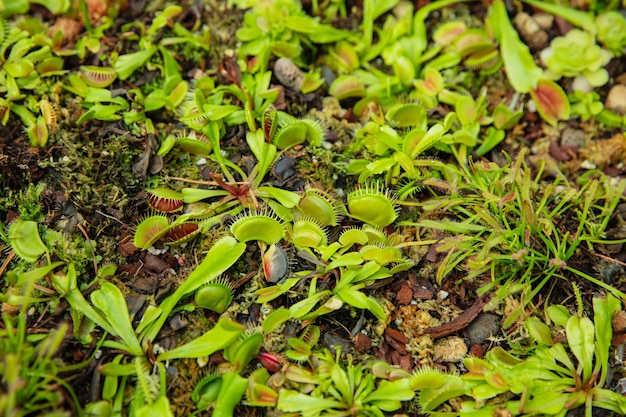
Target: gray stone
{"type": "Point", "coordinates": [288, 73]}
{"type": "Point", "coordinates": [573, 137]}
{"type": "Point", "coordinates": [485, 326]}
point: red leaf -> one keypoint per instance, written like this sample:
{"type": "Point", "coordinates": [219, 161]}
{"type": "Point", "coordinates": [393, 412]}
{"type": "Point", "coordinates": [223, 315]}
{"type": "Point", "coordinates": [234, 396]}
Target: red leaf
{"type": "Point", "coordinates": [552, 103]}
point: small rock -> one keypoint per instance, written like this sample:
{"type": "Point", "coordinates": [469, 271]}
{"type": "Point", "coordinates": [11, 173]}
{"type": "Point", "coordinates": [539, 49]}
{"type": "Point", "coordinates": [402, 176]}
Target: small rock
{"type": "Point", "coordinates": [545, 20]}
{"type": "Point", "coordinates": [485, 326]}
{"type": "Point", "coordinates": [621, 386]}
{"type": "Point", "coordinates": [449, 349]}
{"type": "Point", "coordinates": [586, 164]}
{"type": "Point", "coordinates": [573, 137]}
{"type": "Point", "coordinates": [531, 31]}
{"type": "Point", "coordinates": [288, 73]}
{"type": "Point", "coordinates": [616, 100]}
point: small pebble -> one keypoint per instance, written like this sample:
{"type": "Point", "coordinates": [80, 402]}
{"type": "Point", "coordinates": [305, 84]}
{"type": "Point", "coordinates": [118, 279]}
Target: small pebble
{"type": "Point", "coordinates": [621, 386]}
{"type": "Point", "coordinates": [545, 20]}
{"type": "Point", "coordinates": [485, 326]}
{"type": "Point", "coordinates": [288, 73]}
{"type": "Point", "coordinates": [616, 99]}
{"type": "Point", "coordinates": [573, 137]}
{"type": "Point", "coordinates": [586, 164]}
{"type": "Point", "coordinates": [531, 31]}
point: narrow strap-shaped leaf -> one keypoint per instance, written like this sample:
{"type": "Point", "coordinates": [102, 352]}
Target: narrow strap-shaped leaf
{"type": "Point", "coordinates": [221, 256]}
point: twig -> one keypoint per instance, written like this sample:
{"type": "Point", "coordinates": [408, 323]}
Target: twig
{"type": "Point", "coordinates": [460, 322]}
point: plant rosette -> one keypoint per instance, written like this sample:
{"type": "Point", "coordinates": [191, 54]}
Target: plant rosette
{"type": "Point", "coordinates": [577, 55]}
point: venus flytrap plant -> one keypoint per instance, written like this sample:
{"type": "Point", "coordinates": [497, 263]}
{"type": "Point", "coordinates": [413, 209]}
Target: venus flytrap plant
{"type": "Point", "coordinates": [548, 377]}
{"type": "Point", "coordinates": [397, 152]}
{"type": "Point", "coordinates": [231, 197]}
{"type": "Point", "coordinates": [358, 258]}
{"type": "Point", "coordinates": [108, 311]}
{"type": "Point", "coordinates": [11, 7]}
{"type": "Point", "coordinates": [278, 28]}
{"type": "Point", "coordinates": [338, 389]}
{"type": "Point", "coordinates": [27, 63]}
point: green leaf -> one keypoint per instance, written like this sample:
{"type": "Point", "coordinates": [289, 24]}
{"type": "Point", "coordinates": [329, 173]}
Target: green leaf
{"type": "Point", "coordinates": [220, 257]}
{"type": "Point", "coordinates": [20, 69]}
{"type": "Point", "coordinates": [318, 33]}
{"type": "Point", "coordinates": [357, 299]}
{"type": "Point", "coordinates": [604, 309]}
{"type": "Point", "coordinates": [432, 136]}
{"type": "Point", "coordinates": [231, 391]}
{"type": "Point", "coordinates": [521, 70]}
{"type": "Point", "coordinates": [224, 333]}
{"type": "Point", "coordinates": [275, 319]}
{"type": "Point", "coordinates": [110, 302]}
{"type": "Point", "coordinates": [580, 338]}
{"type": "Point", "coordinates": [55, 7]}
{"type": "Point", "coordinates": [159, 408]}
{"type": "Point", "coordinates": [539, 331]}
{"type": "Point", "coordinates": [25, 240]}
{"type": "Point", "coordinates": [287, 198]}
{"type": "Point", "coordinates": [351, 258]}
{"type": "Point", "coordinates": [558, 353]}
{"type": "Point", "coordinates": [548, 403]}
{"type": "Point", "coordinates": [301, 308]}
{"type": "Point", "coordinates": [492, 138]}
{"type": "Point", "coordinates": [125, 65]}
{"type": "Point", "coordinates": [193, 195]}
{"type": "Point", "coordinates": [559, 314]}
{"type": "Point", "coordinates": [294, 401]}
{"type": "Point", "coordinates": [300, 351]}
{"type": "Point", "coordinates": [34, 275]}
{"type": "Point", "coordinates": [396, 391]}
